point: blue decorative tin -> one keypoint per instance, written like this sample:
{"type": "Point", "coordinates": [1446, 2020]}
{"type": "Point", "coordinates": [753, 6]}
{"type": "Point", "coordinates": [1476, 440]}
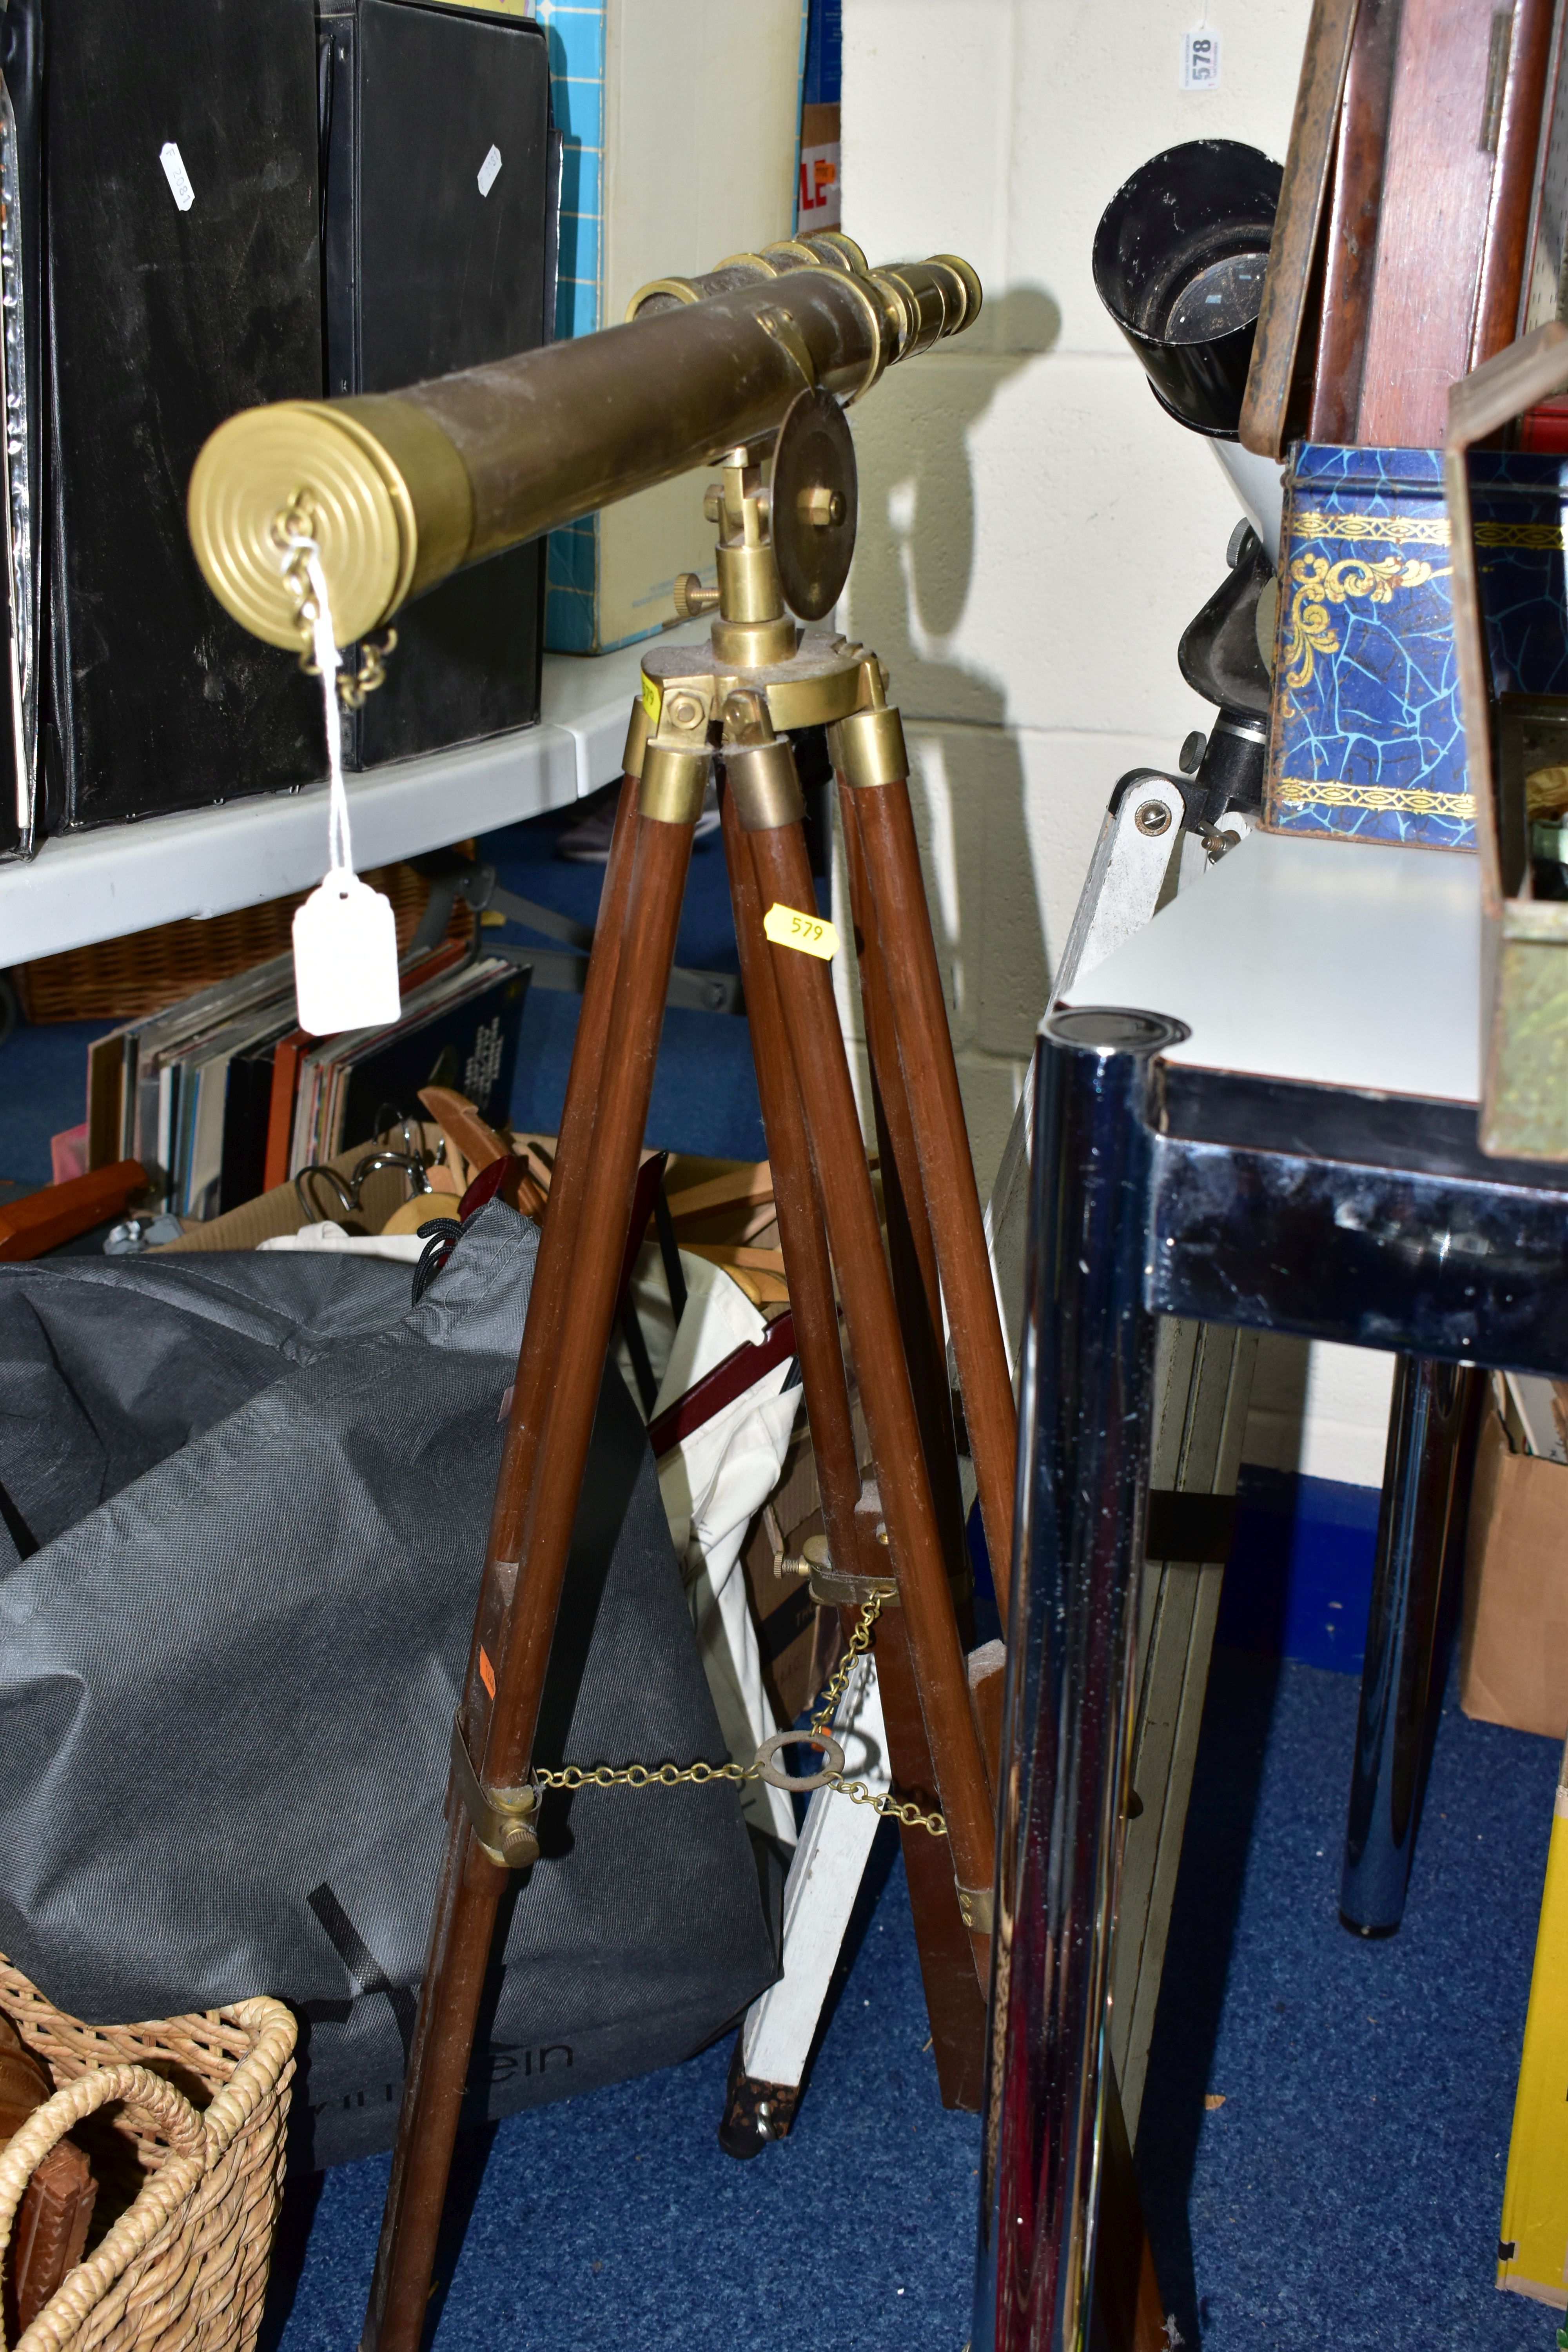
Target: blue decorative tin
{"type": "Point", "coordinates": [1368, 742]}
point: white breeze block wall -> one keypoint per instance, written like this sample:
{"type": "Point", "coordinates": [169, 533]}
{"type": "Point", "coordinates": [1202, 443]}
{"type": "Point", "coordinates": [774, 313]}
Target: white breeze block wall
{"type": "Point", "coordinates": [1035, 532]}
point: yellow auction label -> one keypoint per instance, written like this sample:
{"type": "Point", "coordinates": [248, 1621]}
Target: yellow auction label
{"type": "Point", "coordinates": [787, 928]}
{"type": "Point", "coordinates": [652, 699]}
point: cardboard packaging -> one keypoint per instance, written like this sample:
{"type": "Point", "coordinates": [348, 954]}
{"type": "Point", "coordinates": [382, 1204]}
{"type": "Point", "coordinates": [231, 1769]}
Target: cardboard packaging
{"type": "Point", "coordinates": [1514, 1658]}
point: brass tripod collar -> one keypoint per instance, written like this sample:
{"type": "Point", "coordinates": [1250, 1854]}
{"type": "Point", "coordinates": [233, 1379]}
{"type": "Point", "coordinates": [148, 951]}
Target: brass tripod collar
{"type": "Point", "coordinates": [764, 785]}
{"type": "Point", "coordinates": [869, 749]}
{"type": "Point", "coordinates": [674, 781]}
{"type": "Point", "coordinates": [636, 740]}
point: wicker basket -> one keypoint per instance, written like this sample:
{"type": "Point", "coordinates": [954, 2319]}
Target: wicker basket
{"type": "Point", "coordinates": [121, 980]}
{"type": "Point", "coordinates": [189, 2164]}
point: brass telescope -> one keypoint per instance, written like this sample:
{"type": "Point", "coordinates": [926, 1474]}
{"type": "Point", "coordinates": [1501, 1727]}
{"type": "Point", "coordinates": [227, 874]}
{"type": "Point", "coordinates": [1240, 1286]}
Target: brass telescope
{"type": "Point", "coordinates": [402, 488]}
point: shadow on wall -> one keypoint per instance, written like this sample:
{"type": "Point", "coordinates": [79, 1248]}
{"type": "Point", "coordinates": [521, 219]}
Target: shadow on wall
{"type": "Point", "coordinates": [913, 573]}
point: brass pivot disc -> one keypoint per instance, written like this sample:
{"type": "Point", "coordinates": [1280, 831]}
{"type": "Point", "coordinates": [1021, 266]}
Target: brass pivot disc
{"type": "Point", "coordinates": [810, 504]}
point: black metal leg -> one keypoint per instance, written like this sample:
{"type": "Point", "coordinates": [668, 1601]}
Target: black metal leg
{"type": "Point", "coordinates": [1084, 1415]}
{"type": "Point", "coordinates": [1427, 1427]}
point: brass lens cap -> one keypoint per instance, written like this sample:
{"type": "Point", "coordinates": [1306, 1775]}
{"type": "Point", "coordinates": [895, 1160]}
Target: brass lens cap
{"type": "Point", "coordinates": [257, 466]}
{"type": "Point", "coordinates": [811, 503]}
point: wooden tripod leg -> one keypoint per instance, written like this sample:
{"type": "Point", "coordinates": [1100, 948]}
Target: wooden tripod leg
{"type": "Point", "coordinates": [498, 1737]}
{"type": "Point", "coordinates": [868, 753]}
{"type": "Point", "coordinates": [801, 1234]}
{"type": "Point", "coordinates": [546, 1304]}
{"type": "Point", "coordinates": [911, 1250]}
{"type": "Point", "coordinates": [953, 2003]}
{"type": "Point", "coordinates": [767, 800]}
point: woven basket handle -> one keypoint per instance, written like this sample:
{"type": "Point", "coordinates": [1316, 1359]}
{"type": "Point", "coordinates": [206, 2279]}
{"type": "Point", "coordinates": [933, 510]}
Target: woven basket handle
{"type": "Point", "coordinates": [168, 2111]}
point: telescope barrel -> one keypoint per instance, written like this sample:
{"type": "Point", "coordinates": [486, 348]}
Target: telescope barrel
{"type": "Point", "coordinates": [401, 488]}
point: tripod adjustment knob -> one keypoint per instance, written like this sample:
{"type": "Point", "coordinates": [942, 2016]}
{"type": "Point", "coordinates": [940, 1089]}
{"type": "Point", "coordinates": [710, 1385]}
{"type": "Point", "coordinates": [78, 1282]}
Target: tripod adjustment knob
{"type": "Point", "coordinates": [502, 1818]}
{"type": "Point", "coordinates": [692, 599]}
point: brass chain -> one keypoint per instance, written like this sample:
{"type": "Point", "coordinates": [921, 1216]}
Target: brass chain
{"type": "Point", "coordinates": [675, 1776]}
{"type": "Point", "coordinates": [295, 530]}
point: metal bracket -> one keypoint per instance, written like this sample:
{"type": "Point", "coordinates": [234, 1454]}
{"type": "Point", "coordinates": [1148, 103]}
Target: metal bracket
{"type": "Point", "coordinates": [975, 1909]}
{"type": "Point", "coordinates": [564, 973]}
{"type": "Point", "coordinates": [502, 1818]}
{"type": "Point", "coordinates": [840, 1588]}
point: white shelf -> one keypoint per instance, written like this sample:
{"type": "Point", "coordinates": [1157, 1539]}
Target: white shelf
{"type": "Point", "coordinates": [125, 878]}
{"type": "Point", "coordinates": [1329, 962]}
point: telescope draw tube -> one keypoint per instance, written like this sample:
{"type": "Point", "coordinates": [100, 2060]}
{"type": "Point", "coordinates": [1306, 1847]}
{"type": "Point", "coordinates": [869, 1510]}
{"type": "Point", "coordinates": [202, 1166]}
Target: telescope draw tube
{"type": "Point", "coordinates": [403, 488]}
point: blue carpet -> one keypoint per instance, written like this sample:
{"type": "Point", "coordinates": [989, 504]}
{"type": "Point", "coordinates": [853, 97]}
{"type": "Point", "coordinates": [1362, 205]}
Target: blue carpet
{"type": "Point", "coordinates": [615, 2224]}
{"type": "Point", "coordinates": [1300, 1578]}
{"type": "Point", "coordinates": [1348, 2191]}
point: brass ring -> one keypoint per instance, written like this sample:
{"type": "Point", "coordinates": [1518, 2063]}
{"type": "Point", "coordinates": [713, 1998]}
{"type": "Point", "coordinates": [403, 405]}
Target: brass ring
{"type": "Point", "coordinates": [825, 1744]}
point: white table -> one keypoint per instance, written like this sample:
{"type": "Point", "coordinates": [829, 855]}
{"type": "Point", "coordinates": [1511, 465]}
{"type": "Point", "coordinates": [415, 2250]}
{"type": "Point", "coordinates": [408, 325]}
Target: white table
{"type": "Point", "coordinates": [124, 878]}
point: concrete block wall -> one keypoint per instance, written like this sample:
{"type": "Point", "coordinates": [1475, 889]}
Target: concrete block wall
{"type": "Point", "coordinates": [1035, 532]}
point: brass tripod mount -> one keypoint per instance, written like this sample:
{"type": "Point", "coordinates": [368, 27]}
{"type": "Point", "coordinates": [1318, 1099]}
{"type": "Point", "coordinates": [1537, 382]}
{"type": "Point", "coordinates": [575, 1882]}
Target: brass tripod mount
{"type": "Point", "coordinates": [761, 676]}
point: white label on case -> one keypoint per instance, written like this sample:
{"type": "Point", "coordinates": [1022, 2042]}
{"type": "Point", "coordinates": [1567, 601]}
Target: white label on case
{"type": "Point", "coordinates": [1200, 59]}
{"type": "Point", "coordinates": [177, 176]}
{"type": "Point", "coordinates": [490, 171]}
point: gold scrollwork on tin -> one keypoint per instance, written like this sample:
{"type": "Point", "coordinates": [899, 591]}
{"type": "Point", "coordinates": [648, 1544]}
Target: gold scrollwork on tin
{"type": "Point", "coordinates": [1389, 530]}
{"type": "Point", "coordinates": [1318, 584]}
{"type": "Point", "coordinates": [1410, 800]}
{"type": "Point", "coordinates": [1422, 530]}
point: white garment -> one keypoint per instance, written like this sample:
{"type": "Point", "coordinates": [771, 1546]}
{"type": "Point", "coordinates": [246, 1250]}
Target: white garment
{"type": "Point", "coordinates": [714, 1485]}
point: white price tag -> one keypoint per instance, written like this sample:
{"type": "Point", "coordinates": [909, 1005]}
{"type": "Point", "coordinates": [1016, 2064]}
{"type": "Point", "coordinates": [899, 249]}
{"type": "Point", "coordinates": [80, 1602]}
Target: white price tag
{"type": "Point", "coordinates": [177, 176]}
{"type": "Point", "coordinates": [346, 935]}
{"type": "Point", "coordinates": [345, 956]}
{"type": "Point", "coordinates": [1200, 59]}
{"type": "Point", "coordinates": [490, 171]}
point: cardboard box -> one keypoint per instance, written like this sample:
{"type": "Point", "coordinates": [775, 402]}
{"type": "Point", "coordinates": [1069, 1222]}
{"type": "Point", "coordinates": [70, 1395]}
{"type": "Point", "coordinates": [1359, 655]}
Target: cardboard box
{"type": "Point", "coordinates": [1514, 1658]}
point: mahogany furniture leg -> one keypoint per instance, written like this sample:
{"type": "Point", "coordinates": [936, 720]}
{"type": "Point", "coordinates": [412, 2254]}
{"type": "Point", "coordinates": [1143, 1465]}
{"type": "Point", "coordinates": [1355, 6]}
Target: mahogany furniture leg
{"type": "Point", "coordinates": [1129, 2313]}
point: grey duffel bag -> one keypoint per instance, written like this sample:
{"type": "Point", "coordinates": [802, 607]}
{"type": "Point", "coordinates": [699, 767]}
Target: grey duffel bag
{"type": "Point", "coordinates": [245, 1502]}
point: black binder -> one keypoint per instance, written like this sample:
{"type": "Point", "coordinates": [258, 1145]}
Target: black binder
{"type": "Point", "coordinates": [184, 282]}
{"type": "Point", "coordinates": [440, 196]}
{"type": "Point", "coordinates": [21, 384]}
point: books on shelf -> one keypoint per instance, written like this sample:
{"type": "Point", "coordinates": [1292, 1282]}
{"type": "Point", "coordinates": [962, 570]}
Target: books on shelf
{"type": "Point", "coordinates": [222, 1094]}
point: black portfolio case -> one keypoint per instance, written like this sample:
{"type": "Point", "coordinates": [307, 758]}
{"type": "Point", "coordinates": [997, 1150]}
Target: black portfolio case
{"type": "Point", "coordinates": [21, 390]}
{"type": "Point", "coordinates": [184, 282]}
{"type": "Point", "coordinates": [439, 201]}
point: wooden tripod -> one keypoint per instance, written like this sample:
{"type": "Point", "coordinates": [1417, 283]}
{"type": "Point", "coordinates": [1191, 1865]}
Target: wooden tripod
{"type": "Point", "coordinates": [912, 1534]}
